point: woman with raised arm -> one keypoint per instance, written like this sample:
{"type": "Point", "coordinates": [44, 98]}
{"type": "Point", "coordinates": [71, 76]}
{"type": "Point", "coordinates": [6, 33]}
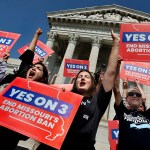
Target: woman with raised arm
{"type": "Point", "coordinates": [82, 133]}
{"type": "Point", "coordinates": [37, 72]}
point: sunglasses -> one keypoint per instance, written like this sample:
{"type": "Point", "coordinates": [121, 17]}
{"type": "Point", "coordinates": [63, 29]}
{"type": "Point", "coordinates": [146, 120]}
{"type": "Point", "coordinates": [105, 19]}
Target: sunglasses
{"type": "Point", "coordinates": [134, 93]}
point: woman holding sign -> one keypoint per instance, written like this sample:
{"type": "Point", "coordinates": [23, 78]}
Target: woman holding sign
{"type": "Point", "coordinates": [37, 72]}
{"type": "Point", "coordinates": [82, 133]}
{"type": "Point", "coordinates": [27, 59]}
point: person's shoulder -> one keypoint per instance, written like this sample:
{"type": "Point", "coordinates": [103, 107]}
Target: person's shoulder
{"type": "Point", "coordinates": [7, 79]}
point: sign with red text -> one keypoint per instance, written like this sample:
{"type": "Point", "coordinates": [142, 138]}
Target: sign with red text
{"type": "Point", "coordinates": [135, 42]}
{"type": "Point", "coordinates": [41, 51]}
{"type": "Point", "coordinates": [44, 115]}
{"type": "Point", "coordinates": [7, 41]}
{"type": "Point", "coordinates": [113, 130]}
{"type": "Point", "coordinates": [136, 70]}
{"type": "Point", "coordinates": [73, 66]}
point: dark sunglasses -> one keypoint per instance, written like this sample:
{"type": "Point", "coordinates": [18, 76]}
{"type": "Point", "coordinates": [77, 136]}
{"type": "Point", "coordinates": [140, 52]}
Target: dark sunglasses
{"type": "Point", "coordinates": [134, 93]}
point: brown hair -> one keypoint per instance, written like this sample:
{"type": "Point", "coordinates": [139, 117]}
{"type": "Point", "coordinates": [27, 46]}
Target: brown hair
{"type": "Point", "coordinates": [92, 88]}
{"type": "Point", "coordinates": [45, 73]}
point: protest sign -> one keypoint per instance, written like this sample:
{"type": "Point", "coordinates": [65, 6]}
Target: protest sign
{"type": "Point", "coordinates": [44, 115]}
{"type": "Point", "coordinates": [7, 41]}
{"type": "Point", "coordinates": [139, 70]}
{"type": "Point", "coordinates": [41, 50]}
{"type": "Point", "coordinates": [113, 132]}
{"type": "Point", "coordinates": [135, 42]}
{"type": "Point", "coordinates": [73, 66]}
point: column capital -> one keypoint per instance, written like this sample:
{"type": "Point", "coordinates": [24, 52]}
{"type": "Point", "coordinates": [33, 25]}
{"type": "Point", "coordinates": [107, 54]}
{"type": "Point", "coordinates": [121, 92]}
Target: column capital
{"type": "Point", "coordinates": [73, 38]}
{"type": "Point", "coordinates": [51, 35]}
{"type": "Point", "coordinates": [96, 41]}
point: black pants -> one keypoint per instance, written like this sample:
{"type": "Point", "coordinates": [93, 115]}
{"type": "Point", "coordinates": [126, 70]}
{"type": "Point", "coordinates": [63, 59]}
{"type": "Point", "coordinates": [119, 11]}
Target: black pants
{"type": "Point", "coordinates": [9, 139]}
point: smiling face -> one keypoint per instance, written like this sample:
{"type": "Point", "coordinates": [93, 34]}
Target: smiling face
{"type": "Point", "coordinates": [134, 99]}
{"type": "Point", "coordinates": [35, 73]}
{"type": "Point", "coordinates": [83, 82]}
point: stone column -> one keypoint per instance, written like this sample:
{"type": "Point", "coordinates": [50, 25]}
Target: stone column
{"type": "Point", "coordinates": [96, 43]}
{"type": "Point", "coordinates": [68, 54]}
{"type": "Point", "coordinates": [50, 42]}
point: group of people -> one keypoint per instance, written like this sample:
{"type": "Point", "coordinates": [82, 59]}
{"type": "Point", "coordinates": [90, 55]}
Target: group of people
{"type": "Point", "coordinates": [134, 118]}
{"type": "Point", "coordinates": [96, 91]}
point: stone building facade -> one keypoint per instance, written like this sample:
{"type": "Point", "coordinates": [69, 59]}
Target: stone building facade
{"type": "Point", "coordinates": [85, 34]}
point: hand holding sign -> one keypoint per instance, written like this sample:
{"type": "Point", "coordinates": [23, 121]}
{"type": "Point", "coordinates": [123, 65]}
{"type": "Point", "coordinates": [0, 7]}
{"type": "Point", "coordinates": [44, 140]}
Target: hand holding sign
{"type": "Point", "coordinates": [125, 84]}
{"type": "Point", "coordinates": [6, 55]}
{"type": "Point", "coordinates": [44, 115]}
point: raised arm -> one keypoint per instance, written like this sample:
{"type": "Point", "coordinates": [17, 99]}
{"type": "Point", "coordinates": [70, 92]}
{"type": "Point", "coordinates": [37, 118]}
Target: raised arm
{"type": "Point", "coordinates": [35, 39]}
{"type": "Point", "coordinates": [116, 88]}
{"type": "Point", "coordinates": [141, 90]}
{"type": "Point", "coordinates": [27, 57]}
{"type": "Point", "coordinates": [125, 88]}
{"type": "Point", "coordinates": [110, 74]}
